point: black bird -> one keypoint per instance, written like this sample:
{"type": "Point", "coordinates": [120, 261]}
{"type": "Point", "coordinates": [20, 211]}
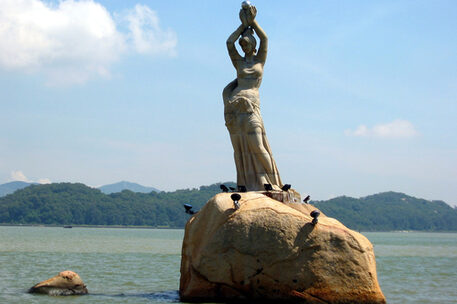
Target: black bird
{"type": "Point", "coordinates": [306, 199]}
{"type": "Point", "coordinates": [286, 187]}
{"type": "Point", "coordinates": [224, 188]}
{"type": "Point", "coordinates": [188, 208]}
{"type": "Point", "coordinates": [232, 188]}
{"type": "Point", "coordinates": [236, 197]}
{"type": "Point", "coordinates": [315, 214]}
{"type": "Point", "coordinates": [242, 188]}
{"type": "Point", "coordinates": [268, 187]}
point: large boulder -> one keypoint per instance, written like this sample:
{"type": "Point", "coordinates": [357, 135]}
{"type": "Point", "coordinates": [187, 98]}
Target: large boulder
{"type": "Point", "coordinates": [65, 283]}
{"type": "Point", "coordinates": [269, 250]}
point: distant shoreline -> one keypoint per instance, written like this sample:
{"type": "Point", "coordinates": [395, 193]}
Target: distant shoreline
{"type": "Point", "coordinates": [171, 228]}
{"type": "Point", "coordinates": [87, 226]}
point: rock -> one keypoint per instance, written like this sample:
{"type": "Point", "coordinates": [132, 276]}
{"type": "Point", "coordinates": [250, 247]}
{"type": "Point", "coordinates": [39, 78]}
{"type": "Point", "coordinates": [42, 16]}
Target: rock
{"type": "Point", "coordinates": [66, 283]}
{"type": "Point", "coordinates": [268, 250]}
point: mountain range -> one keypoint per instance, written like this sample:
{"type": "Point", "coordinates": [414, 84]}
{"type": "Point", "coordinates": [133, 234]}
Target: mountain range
{"type": "Point", "coordinates": [11, 187]}
{"type": "Point", "coordinates": [123, 185]}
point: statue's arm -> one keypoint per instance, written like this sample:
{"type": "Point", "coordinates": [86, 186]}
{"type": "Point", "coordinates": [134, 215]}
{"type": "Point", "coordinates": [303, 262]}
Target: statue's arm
{"type": "Point", "coordinates": [263, 47]}
{"type": "Point", "coordinates": [233, 53]}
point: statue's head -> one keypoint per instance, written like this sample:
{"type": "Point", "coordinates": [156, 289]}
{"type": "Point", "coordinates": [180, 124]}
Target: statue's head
{"type": "Point", "coordinates": [247, 41]}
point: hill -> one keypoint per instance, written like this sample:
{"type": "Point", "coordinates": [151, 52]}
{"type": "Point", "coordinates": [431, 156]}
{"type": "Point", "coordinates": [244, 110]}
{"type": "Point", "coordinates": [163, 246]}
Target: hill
{"type": "Point", "coordinates": [123, 185]}
{"type": "Point", "coordinates": [77, 204]}
{"type": "Point", "coordinates": [10, 187]}
{"type": "Point", "coordinates": [390, 211]}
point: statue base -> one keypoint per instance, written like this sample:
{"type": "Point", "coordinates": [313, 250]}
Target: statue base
{"type": "Point", "coordinates": [288, 197]}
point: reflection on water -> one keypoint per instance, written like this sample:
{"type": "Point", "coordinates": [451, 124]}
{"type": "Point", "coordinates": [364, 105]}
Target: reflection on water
{"type": "Point", "coordinates": [142, 265]}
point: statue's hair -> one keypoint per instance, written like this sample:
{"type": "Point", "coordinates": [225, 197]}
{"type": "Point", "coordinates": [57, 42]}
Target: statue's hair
{"type": "Point", "coordinates": [248, 36]}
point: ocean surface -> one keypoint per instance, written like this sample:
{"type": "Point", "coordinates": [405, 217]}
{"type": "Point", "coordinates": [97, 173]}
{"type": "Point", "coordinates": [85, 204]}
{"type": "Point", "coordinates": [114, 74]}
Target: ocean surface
{"type": "Point", "coordinates": [142, 265]}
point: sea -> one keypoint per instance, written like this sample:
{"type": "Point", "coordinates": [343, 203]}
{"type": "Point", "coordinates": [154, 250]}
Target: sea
{"type": "Point", "coordinates": [124, 265]}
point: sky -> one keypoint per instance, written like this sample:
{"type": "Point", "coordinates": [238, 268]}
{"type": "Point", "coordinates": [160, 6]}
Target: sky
{"type": "Point", "coordinates": [358, 97]}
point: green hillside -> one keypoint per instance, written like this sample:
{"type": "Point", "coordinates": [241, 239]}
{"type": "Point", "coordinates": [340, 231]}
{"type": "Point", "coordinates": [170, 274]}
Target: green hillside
{"type": "Point", "coordinates": [77, 204]}
{"type": "Point", "coordinates": [390, 211]}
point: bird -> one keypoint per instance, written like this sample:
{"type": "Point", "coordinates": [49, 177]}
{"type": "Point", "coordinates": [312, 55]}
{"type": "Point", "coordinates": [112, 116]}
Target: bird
{"type": "Point", "coordinates": [232, 188]}
{"type": "Point", "coordinates": [306, 199]}
{"type": "Point", "coordinates": [241, 188]}
{"type": "Point", "coordinates": [224, 188]}
{"type": "Point", "coordinates": [188, 208]}
{"type": "Point", "coordinates": [268, 187]}
{"type": "Point", "coordinates": [236, 197]}
{"type": "Point", "coordinates": [315, 214]}
{"type": "Point", "coordinates": [286, 187]}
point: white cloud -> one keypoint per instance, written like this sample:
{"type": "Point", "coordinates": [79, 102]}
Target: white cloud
{"type": "Point", "coordinates": [73, 41]}
{"type": "Point", "coordinates": [395, 129]}
{"type": "Point", "coordinates": [146, 34]}
{"type": "Point", "coordinates": [18, 176]}
{"type": "Point", "coordinates": [44, 181]}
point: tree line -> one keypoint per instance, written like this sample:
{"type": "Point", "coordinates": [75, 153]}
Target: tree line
{"type": "Point", "coordinates": [391, 211]}
{"type": "Point", "coordinates": [78, 204]}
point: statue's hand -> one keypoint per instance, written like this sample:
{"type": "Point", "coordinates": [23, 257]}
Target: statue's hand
{"type": "Point", "coordinates": [251, 12]}
{"type": "Point", "coordinates": [243, 18]}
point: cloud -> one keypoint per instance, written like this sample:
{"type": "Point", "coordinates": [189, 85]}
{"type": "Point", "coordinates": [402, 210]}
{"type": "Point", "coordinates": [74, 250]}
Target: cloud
{"type": "Point", "coordinates": [20, 176]}
{"type": "Point", "coordinates": [44, 181]}
{"type": "Point", "coordinates": [395, 129]}
{"type": "Point", "coordinates": [146, 34]}
{"type": "Point", "coordinates": [74, 41]}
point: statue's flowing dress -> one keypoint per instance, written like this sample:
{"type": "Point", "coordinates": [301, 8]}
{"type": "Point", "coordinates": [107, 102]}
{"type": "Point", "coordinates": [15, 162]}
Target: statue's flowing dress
{"type": "Point", "coordinates": [242, 118]}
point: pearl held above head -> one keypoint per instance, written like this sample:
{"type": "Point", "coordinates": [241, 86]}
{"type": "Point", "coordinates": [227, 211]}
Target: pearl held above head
{"type": "Point", "coordinates": [246, 4]}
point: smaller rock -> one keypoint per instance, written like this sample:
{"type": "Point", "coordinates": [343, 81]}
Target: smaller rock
{"type": "Point", "coordinates": [66, 283]}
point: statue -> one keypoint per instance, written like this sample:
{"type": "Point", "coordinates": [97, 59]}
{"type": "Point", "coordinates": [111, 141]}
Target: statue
{"type": "Point", "coordinates": [254, 162]}
{"type": "Point", "coordinates": [264, 246]}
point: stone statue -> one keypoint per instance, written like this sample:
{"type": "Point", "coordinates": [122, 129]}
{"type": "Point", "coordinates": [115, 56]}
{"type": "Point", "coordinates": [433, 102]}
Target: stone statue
{"type": "Point", "coordinates": [255, 165]}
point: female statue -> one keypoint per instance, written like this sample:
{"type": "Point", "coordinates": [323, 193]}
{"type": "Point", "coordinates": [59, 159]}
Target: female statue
{"type": "Point", "coordinates": [253, 158]}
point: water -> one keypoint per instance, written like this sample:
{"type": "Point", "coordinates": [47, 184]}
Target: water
{"type": "Point", "coordinates": [142, 265]}
{"type": "Point", "coordinates": [416, 267]}
{"type": "Point", "coordinates": [117, 265]}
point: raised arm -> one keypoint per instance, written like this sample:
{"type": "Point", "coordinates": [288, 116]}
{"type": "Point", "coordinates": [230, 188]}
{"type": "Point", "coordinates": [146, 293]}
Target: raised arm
{"type": "Point", "coordinates": [263, 47]}
{"type": "Point", "coordinates": [233, 53]}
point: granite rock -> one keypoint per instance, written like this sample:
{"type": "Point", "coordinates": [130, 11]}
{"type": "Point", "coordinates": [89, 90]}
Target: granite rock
{"type": "Point", "coordinates": [269, 250]}
{"type": "Point", "coordinates": [64, 284]}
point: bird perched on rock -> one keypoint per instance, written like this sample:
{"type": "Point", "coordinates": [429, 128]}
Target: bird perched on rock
{"type": "Point", "coordinates": [188, 208]}
{"type": "Point", "coordinates": [236, 198]}
{"type": "Point", "coordinates": [306, 199]}
{"type": "Point", "coordinates": [241, 188]}
{"type": "Point", "coordinates": [315, 214]}
{"type": "Point", "coordinates": [286, 187]}
{"type": "Point", "coordinates": [224, 188]}
{"type": "Point", "coordinates": [268, 187]}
